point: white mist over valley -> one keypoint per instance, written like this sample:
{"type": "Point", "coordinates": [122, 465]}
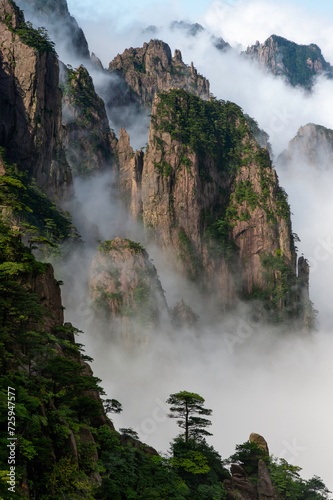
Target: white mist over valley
{"type": "Point", "coordinates": [256, 379]}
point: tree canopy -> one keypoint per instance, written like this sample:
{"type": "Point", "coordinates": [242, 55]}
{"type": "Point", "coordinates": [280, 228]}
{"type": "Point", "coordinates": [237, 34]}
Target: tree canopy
{"type": "Point", "coordinates": [188, 408]}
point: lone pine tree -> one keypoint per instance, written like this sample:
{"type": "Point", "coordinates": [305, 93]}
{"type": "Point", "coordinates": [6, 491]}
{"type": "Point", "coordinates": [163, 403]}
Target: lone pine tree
{"type": "Point", "coordinates": [188, 408]}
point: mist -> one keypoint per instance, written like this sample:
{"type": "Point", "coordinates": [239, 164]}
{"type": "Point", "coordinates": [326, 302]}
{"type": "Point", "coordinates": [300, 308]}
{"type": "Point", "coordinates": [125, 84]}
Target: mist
{"type": "Point", "coordinates": [256, 379]}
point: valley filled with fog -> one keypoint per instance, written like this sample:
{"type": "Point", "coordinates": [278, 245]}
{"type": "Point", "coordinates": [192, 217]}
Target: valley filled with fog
{"type": "Point", "coordinates": [256, 379]}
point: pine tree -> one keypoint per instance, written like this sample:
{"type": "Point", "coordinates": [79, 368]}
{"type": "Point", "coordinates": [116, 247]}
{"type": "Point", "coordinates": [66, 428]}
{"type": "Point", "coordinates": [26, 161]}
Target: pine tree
{"type": "Point", "coordinates": [188, 408]}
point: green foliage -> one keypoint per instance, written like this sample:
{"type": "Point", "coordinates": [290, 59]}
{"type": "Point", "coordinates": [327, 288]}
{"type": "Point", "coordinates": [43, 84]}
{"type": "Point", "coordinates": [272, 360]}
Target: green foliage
{"type": "Point", "coordinates": [285, 477]}
{"type": "Point", "coordinates": [80, 88]}
{"type": "Point", "coordinates": [164, 168]}
{"type": "Point", "coordinates": [200, 467]}
{"type": "Point", "coordinates": [187, 252]}
{"type": "Point", "coordinates": [281, 287]}
{"type": "Point", "coordinates": [219, 232]}
{"type": "Point", "coordinates": [248, 455]}
{"type": "Point", "coordinates": [130, 473]}
{"type": "Point", "coordinates": [295, 60]}
{"type": "Point", "coordinates": [244, 192]}
{"type": "Point", "coordinates": [51, 388]}
{"type": "Point", "coordinates": [39, 219]}
{"type": "Point", "coordinates": [112, 245]}
{"type": "Point", "coordinates": [36, 38]}
{"type": "Point", "coordinates": [188, 408]}
{"type": "Point", "coordinates": [133, 245]}
{"type": "Point", "coordinates": [213, 128]}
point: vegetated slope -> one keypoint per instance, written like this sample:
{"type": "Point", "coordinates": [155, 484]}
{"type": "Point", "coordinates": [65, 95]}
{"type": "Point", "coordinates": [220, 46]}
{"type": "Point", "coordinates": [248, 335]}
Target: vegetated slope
{"type": "Point", "coordinates": [312, 144]}
{"type": "Point", "coordinates": [207, 193]}
{"type": "Point", "coordinates": [89, 142]}
{"type": "Point", "coordinates": [66, 447]}
{"type": "Point", "coordinates": [299, 64]}
{"type": "Point", "coordinates": [127, 295]}
{"type": "Point", "coordinates": [30, 100]}
{"type": "Point", "coordinates": [62, 27]}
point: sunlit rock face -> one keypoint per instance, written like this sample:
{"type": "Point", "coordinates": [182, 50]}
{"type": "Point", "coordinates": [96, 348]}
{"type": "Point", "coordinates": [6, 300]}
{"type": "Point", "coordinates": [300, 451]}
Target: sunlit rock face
{"type": "Point", "coordinates": [152, 69]}
{"type": "Point", "coordinates": [209, 197]}
{"type": "Point", "coordinates": [126, 293]}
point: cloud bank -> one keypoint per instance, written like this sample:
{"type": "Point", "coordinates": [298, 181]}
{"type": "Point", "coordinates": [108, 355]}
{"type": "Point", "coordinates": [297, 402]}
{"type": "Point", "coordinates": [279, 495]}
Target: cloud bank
{"type": "Point", "coordinates": [257, 380]}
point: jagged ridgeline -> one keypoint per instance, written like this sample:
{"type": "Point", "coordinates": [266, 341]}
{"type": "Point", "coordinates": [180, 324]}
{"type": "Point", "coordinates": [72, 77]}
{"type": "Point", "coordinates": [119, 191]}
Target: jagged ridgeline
{"type": "Point", "coordinates": [299, 64]}
{"type": "Point", "coordinates": [152, 69]}
{"type": "Point", "coordinates": [207, 193]}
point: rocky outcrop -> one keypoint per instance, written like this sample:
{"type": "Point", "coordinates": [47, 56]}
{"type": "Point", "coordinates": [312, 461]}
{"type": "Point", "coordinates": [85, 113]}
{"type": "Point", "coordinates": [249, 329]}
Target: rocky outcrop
{"type": "Point", "coordinates": [211, 199]}
{"type": "Point", "coordinates": [126, 293]}
{"type": "Point", "coordinates": [89, 142]}
{"type": "Point", "coordinates": [152, 69]}
{"type": "Point", "coordinates": [239, 487]}
{"type": "Point", "coordinates": [62, 27]}
{"type": "Point", "coordinates": [256, 486]}
{"type": "Point", "coordinates": [265, 488]}
{"type": "Point", "coordinates": [30, 100]}
{"type": "Point", "coordinates": [313, 145]}
{"type": "Point", "coordinates": [130, 173]}
{"type": "Point", "coordinates": [48, 290]}
{"type": "Point", "coordinates": [299, 64]}
{"type": "Point", "coordinates": [260, 441]}
{"type": "Point", "coordinates": [183, 316]}
{"type": "Point", "coordinates": [304, 303]}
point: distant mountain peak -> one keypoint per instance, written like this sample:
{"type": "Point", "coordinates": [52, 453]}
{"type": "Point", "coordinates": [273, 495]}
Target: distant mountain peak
{"type": "Point", "coordinates": [299, 64]}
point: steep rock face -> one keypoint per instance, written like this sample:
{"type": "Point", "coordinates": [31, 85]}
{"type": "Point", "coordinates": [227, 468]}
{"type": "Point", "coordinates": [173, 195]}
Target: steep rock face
{"type": "Point", "coordinates": [30, 122]}
{"type": "Point", "coordinates": [313, 145]}
{"type": "Point", "coordinates": [265, 488]}
{"type": "Point", "coordinates": [152, 69]}
{"type": "Point", "coordinates": [130, 173]}
{"type": "Point", "coordinates": [298, 63]}
{"type": "Point", "coordinates": [256, 486]}
{"type": "Point", "coordinates": [212, 200]}
{"type": "Point", "coordinates": [90, 144]}
{"type": "Point", "coordinates": [127, 293]}
{"type": "Point", "coordinates": [239, 487]}
{"type": "Point", "coordinates": [62, 27]}
{"type": "Point", "coordinates": [48, 290]}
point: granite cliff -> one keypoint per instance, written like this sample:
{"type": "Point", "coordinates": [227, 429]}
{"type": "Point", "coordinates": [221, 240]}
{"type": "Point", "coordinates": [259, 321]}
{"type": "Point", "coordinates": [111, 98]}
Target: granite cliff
{"type": "Point", "coordinates": [208, 195]}
{"type": "Point", "coordinates": [152, 69]}
{"type": "Point", "coordinates": [62, 27]}
{"type": "Point", "coordinates": [299, 64]}
{"type": "Point", "coordinates": [89, 142]}
{"type": "Point", "coordinates": [30, 99]}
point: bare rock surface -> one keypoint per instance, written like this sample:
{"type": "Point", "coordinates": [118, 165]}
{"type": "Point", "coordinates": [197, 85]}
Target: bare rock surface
{"type": "Point", "coordinates": [152, 69]}
{"type": "Point", "coordinates": [30, 100]}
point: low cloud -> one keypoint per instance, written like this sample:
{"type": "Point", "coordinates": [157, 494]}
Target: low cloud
{"type": "Point", "coordinates": [255, 379]}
